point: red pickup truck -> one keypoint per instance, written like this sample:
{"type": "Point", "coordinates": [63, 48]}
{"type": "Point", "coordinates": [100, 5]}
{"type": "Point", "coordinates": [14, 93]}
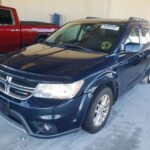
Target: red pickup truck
{"type": "Point", "coordinates": [15, 34]}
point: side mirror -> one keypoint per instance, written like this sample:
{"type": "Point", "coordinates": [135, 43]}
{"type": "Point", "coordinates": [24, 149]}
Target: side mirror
{"type": "Point", "coordinates": [132, 47]}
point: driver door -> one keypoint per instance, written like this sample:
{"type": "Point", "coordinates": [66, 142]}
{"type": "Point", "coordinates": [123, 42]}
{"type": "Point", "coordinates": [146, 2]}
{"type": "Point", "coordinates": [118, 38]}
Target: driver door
{"type": "Point", "coordinates": [129, 68]}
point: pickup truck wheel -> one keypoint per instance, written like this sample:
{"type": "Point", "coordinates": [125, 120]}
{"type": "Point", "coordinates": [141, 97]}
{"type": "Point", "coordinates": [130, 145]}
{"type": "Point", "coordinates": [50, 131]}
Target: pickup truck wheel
{"type": "Point", "coordinates": [99, 110]}
{"type": "Point", "coordinates": [40, 39]}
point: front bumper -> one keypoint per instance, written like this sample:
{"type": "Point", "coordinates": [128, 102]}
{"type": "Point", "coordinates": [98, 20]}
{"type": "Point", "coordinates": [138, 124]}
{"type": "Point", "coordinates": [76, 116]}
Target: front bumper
{"type": "Point", "coordinates": [45, 119]}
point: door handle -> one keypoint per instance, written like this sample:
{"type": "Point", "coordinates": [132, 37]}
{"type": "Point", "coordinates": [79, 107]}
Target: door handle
{"type": "Point", "coordinates": [15, 30]}
{"type": "Point", "coordinates": [141, 55]}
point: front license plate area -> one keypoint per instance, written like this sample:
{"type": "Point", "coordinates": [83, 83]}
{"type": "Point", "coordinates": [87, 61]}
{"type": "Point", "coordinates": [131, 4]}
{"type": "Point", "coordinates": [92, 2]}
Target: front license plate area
{"type": "Point", "coordinates": [4, 107]}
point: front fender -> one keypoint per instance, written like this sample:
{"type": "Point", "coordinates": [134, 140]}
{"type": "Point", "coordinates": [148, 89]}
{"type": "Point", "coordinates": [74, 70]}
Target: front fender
{"type": "Point", "coordinates": [101, 80]}
{"type": "Point", "coordinates": [95, 83]}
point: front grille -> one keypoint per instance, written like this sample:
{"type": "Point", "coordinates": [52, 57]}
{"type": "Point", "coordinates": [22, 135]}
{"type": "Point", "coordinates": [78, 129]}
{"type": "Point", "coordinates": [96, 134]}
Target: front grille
{"type": "Point", "coordinates": [3, 76]}
{"type": "Point", "coordinates": [16, 87]}
{"type": "Point", "coordinates": [2, 86]}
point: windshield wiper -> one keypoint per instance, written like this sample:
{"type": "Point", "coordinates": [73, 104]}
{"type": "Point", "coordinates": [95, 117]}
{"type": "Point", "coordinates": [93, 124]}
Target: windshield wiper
{"type": "Point", "coordinates": [68, 46]}
{"type": "Point", "coordinates": [76, 46]}
{"type": "Point", "coordinates": [48, 43]}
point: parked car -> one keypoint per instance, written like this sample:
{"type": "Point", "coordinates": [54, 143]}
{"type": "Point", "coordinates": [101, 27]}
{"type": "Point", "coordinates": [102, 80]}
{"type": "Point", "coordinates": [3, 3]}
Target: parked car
{"type": "Point", "coordinates": [15, 34]}
{"type": "Point", "coordinates": [73, 78]}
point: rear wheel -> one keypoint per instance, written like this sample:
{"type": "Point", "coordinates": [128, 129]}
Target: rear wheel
{"type": "Point", "coordinates": [99, 110]}
{"type": "Point", "coordinates": [146, 79]}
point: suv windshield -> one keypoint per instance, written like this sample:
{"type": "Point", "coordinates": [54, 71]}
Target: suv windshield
{"type": "Point", "coordinates": [102, 37]}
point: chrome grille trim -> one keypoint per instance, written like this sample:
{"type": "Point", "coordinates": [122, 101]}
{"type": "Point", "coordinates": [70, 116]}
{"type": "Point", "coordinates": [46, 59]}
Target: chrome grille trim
{"type": "Point", "coordinates": [24, 91]}
{"type": "Point", "coordinates": [22, 87]}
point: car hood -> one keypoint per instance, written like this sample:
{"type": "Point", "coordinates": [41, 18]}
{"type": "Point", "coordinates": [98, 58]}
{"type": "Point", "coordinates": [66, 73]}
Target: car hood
{"type": "Point", "coordinates": [54, 61]}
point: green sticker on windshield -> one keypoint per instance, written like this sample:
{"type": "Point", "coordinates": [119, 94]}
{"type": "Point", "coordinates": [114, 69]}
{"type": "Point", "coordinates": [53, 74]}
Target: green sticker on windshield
{"type": "Point", "coordinates": [106, 45]}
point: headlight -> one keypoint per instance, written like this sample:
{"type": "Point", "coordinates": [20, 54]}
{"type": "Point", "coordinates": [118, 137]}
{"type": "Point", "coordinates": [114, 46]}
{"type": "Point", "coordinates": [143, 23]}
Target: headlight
{"type": "Point", "coordinates": [58, 91]}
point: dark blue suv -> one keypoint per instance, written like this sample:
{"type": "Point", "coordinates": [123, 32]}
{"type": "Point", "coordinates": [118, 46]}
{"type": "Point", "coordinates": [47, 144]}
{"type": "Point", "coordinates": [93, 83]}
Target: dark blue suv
{"type": "Point", "coordinates": [74, 77]}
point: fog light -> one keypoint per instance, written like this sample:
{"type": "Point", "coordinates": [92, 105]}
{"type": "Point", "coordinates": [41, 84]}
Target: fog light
{"type": "Point", "coordinates": [44, 127]}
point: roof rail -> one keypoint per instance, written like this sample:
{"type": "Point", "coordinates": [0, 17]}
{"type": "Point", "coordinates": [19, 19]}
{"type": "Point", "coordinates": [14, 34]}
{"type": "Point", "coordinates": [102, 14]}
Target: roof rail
{"type": "Point", "coordinates": [92, 18]}
{"type": "Point", "coordinates": [140, 20]}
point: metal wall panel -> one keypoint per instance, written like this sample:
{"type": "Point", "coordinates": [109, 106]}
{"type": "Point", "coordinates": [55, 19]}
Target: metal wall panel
{"type": "Point", "coordinates": [75, 9]}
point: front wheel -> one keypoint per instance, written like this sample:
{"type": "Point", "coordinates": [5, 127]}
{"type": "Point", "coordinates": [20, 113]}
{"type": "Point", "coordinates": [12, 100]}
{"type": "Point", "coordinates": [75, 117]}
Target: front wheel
{"type": "Point", "coordinates": [99, 110]}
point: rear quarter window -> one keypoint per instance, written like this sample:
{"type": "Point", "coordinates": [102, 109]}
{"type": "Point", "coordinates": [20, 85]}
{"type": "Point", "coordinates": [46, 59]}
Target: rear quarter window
{"type": "Point", "coordinates": [145, 36]}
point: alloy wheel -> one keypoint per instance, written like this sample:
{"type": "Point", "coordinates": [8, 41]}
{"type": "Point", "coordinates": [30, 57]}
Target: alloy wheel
{"type": "Point", "coordinates": [101, 110]}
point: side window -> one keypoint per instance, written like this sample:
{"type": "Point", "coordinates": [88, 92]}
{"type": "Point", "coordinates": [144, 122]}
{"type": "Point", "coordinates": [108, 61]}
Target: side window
{"type": "Point", "coordinates": [6, 17]}
{"type": "Point", "coordinates": [132, 42]}
{"type": "Point", "coordinates": [133, 37]}
{"type": "Point", "coordinates": [145, 38]}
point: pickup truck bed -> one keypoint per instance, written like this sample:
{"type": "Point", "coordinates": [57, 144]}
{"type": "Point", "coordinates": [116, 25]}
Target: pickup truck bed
{"type": "Point", "coordinates": [35, 23]}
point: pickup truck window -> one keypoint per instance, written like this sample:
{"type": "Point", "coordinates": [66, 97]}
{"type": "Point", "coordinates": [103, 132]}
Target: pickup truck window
{"type": "Point", "coordinates": [6, 17]}
{"type": "Point", "coordinates": [100, 37]}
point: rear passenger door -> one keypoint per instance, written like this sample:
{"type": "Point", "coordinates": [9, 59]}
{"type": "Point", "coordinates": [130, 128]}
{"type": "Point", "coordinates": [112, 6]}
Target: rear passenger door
{"type": "Point", "coordinates": [145, 41]}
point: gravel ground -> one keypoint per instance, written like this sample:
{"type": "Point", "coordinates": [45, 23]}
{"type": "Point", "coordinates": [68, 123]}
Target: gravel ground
{"type": "Point", "coordinates": [128, 128]}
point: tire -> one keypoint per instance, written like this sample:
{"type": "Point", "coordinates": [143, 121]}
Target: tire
{"type": "Point", "coordinates": [89, 124]}
{"type": "Point", "coordinates": [146, 79]}
{"type": "Point", "coordinates": [40, 39]}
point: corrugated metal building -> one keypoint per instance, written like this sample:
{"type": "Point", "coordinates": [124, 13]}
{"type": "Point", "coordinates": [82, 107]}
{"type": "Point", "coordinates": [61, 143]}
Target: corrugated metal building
{"type": "Point", "coordinates": [74, 9]}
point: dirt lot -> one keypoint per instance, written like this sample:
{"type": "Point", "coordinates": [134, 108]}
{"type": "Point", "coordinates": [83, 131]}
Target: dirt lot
{"type": "Point", "coordinates": [128, 128]}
